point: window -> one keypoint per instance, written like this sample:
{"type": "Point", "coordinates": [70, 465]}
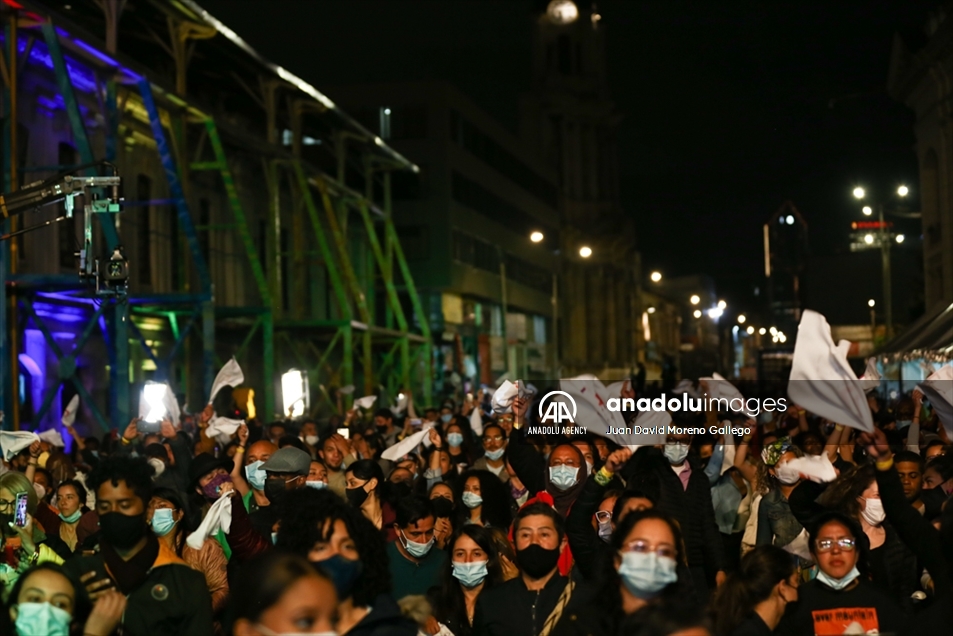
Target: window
{"type": "Point", "coordinates": [481, 200]}
{"type": "Point", "coordinates": [483, 147]}
{"type": "Point", "coordinates": [480, 254]}
{"type": "Point", "coordinates": [68, 245]}
{"type": "Point", "coordinates": [144, 230]}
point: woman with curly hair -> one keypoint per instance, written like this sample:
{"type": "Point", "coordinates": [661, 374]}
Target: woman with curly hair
{"type": "Point", "coordinates": [777, 525]}
{"type": "Point", "coordinates": [485, 499]}
{"type": "Point", "coordinates": [339, 540]}
{"type": "Point", "coordinates": [474, 566]}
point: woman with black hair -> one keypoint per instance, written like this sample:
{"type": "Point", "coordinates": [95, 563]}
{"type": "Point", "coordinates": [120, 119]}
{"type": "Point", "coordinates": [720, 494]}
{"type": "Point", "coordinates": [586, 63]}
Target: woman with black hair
{"type": "Point", "coordinates": [46, 600]}
{"type": "Point", "coordinates": [474, 566]}
{"type": "Point", "coordinates": [167, 517]}
{"type": "Point", "coordinates": [841, 598]}
{"type": "Point", "coordinates": [366, 492]}
{"type": "Point", "coordinates": [486, 500]}
{"type": "Point", "coordinates": [460, 443]}
{"type": "Point", "coordinates": [753, 599]}
{"type": "Point", "coordinates": [338, 539]}
{"type": "Point", "coordinates": [647, 553]}
{"type": "Point", "coordinates": [281, 593]}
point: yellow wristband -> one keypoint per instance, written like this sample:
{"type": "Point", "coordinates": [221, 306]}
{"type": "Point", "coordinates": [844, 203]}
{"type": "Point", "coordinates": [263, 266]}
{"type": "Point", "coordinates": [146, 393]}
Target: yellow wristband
{"type": "Point", "coordinates": [603, 476]}
{"type": "Point", "coordinates": [125, 441]}
{"type": "Point", "coordinates": [885, 464]}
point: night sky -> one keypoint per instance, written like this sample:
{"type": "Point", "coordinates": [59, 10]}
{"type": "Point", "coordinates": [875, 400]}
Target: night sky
{"type": "Point", "coordinates": [730, 107]}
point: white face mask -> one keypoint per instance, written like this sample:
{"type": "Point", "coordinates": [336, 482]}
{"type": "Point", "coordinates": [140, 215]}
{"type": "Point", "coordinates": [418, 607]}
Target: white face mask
{"type": "Point", "coordinates": [311, 440]}
{"type": "Point", "coordinates": [786, 474]}
{"type": "Point", "coordinates": [157, 464]}
{"type": "Point", "coordinates": [873, 512]}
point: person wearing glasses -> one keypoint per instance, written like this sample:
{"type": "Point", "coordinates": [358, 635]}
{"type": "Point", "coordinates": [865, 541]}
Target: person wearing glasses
{"type": "Point", "coordinates": [494, 445]}
{"type": "Point", "coordinates": [642, 576]}
{"type": "Point", "coordinates": [841, 600]}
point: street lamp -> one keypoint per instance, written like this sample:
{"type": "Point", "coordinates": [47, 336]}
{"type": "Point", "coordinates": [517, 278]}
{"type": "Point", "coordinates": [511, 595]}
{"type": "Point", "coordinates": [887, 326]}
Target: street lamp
{"type": "Point", "coordinates": [656, 276]}
{"type": "Point", "coordinates": [871, 302]}
{"type": "Point", "coordinates": [750, 330]}
{"type": "Point", "coordinates": [741, 319]}
{"type": "Point", "coordinates": [903, 191]}
{"type": "Point", "coordinates": [868, 210]}
{"type": "Point", "coordinates": [869, 239]}
{"type": "Point", "coordinates": [722, 304]}
{"type": "Point", "coordinates": [859, 193]}
{"type": "Point", "coordinates": [536, 237]}
{"type": "Point", "coordinates": [585, 251]}
{"type": "Point", "coordinates": [695, 299]}
{"type": "Point", "coordinates": [762, 331]}
{"type": "Point", "coordinates": [697, 313]}
{"type": "Point", "coordinates": [900, 238]}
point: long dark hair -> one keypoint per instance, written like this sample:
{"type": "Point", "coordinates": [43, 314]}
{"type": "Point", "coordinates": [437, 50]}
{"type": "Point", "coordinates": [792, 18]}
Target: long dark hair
{"type": "Point", "coordinates": [261, 583]}
{"type": "Point", "coordinates": [447, 600]}
{"type": "Point", "coordinates": [758, 573]}
{"type": "Point", "coordinates": [496, 510]}
{"type": "Point", "coordinates": [81, 603]}
{"type": "Point", "coordinates": [611, 594]}
{"type": "Point", "coordinates": [842, 494]}
{"type": "Point", "coordinates": [368, 469]}
{"type": "Point", "coordinates": [307, 516]}
{"type": "Point", "coordinates": [188, 522]}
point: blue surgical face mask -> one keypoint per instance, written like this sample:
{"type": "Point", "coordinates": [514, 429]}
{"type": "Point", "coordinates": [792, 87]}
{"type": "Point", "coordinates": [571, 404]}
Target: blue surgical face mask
{"type": "Point", "coordinates": [675, 453]}
{"type": "Point", "coordinates": [455, 439]}
{"type": "Point", "coordinates": [563, 477]}
{"type": "Point", "coordinates": [838, 584]}
{"type": "Point", "coordinates": [162, 521]}
{"type": "Point", "coordinates": [256, 476]}
{"type": "Point", "coordinates": [317, 485]}
{"type": "Point", "coordinates": [73, 518]}
{"type": "Point", "coordinates": [902, 424]}
{"type": "Point", "coordinates": [471, 499]}
{"type": "Point", "coordinates": [446, 417]}
{"type": "Point", "coordinates": [495, 455]}
{"type": "Point", "coordinates": [415, 549]}
{"type": "Point", "coordinates": [645, 574]}
{"type": "Point", "coordinates": [469, 574]}
{"type": "Point", "coordinates": [42, 618]}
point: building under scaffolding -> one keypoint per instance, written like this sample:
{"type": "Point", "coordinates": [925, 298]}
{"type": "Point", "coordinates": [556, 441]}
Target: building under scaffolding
{"type": "Point", "coordinates": [257, 220]}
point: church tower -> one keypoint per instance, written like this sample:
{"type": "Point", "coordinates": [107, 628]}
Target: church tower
{"type": "Point", "coordinates": [569, 117]}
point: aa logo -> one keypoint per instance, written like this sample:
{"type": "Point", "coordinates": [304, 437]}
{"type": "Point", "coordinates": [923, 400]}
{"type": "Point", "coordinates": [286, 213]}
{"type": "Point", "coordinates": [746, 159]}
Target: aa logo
{"type": "Point", "coordinates": [556, 411]}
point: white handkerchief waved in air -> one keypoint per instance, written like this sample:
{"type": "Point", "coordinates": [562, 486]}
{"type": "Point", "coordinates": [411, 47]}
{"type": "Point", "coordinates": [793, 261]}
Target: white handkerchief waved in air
{"type": "Point", "coordinates": [230, 375]}
{"type": "Point", "coordinates": [69, 415]}
{"type": "Point", "coordinates": [719, 387]}
{"type": "Point", "coordinates": [12, 442]}
{"type": "Point", "coordinates": [219, 517]}
{"type": "Point", "coordinates": [52, 436]}
{"type": "Point", "coordinates": [822, 381]}
{"type": "Point", "coordinates": [938, 388]}
{"type": "Point", "coordinates": [817, 468]}
{"type": "Point", "coordinates": [871, 378]}
{"type": "Point", "coordinates": [222, 426]}
{"type": "Point", "coordinates": [365, 402]}
{"type": "Point", "coordinates": [503, 397]}
{"type": "Point", "coordinates": [408, 444]}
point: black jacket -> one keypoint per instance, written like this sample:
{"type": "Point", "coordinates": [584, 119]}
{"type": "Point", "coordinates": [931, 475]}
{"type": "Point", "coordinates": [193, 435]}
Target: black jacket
{"type": "Point", "coordinates": [691, 507]}
{"type": "Point", "coordinates": [510, 609]}
{"type": "Point", "coordinates": [588, 550]}
{"type": "Point", "coordinates": [821, 609]}
{"type": "Point", "coordinates": [384, 619]}
{"type": "Point", "coordinates": [174, 598]}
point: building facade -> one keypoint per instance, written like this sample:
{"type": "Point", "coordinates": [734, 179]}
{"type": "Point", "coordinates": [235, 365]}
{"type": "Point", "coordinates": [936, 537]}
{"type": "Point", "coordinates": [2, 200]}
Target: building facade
{"type": "Point", "coordinates": [923, 80]}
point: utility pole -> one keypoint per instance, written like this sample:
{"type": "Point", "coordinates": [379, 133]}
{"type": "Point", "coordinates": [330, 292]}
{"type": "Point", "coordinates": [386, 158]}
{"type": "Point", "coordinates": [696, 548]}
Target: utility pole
{"type": "Point", "coordinates": [885, 264]}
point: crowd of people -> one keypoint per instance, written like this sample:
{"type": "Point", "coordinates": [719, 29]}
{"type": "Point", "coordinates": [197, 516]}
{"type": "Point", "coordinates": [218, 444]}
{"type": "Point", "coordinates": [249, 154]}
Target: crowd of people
{"type": "Point", "coordinates": [477, 528]}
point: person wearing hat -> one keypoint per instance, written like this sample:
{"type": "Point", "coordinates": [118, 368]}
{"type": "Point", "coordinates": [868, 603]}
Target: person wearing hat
{"type": "Point", "coordinates": [286, 470]}
{"type": "Point", "coordinates": [210, 479]}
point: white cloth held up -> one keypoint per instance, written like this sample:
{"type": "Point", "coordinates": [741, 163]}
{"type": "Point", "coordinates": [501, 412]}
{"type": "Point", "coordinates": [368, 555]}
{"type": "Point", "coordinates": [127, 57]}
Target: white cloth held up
{"type": "Point", "coordinates": [219, 517]}
{"type": "Point", "coordinates": [817, 468]}
{"type": "Point", "coordinates": [871, 378]}
{"type": "Point", "coordinates": [408, 444]}
{"type": "Point", "coordinates": [69, 414]}
{"type": "Point", "coordinates": [719, 387]}
{"type": "Point", "coordinates": [222, 428]}
{"type": "Point", "coordinates": [503, 397]}
{"type": "Point", "coordinates": [365, 402]}
{"type": "Point", "coordinates": [476, 420]}
{"type": "Point", "coordinates": [821, 379]}
{"type": "Point", "coordinates": [938, 388]}
{"type": "Point", "coordinates": [12, 442]}
{"type": "Point", "coordinates": [52, 436]}
{"type": "Point", "coordinates": [230, 375]}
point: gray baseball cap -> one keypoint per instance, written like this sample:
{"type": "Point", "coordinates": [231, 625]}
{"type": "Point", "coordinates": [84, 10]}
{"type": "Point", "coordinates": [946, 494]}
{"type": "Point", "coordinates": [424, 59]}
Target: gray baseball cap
{"type": "Point", "coordinates": [288, 460]}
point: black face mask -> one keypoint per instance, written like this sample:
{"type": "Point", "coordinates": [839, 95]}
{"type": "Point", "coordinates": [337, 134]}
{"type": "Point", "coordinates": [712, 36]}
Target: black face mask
{"type": "Point", "coordinates": [536, 561]}
{"type": "Point", "coordinates": [356, 496]}
{"type": "Point", "coordinates": [275, 490]}
{"type": "Point", "coordinates": [122, 531]}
